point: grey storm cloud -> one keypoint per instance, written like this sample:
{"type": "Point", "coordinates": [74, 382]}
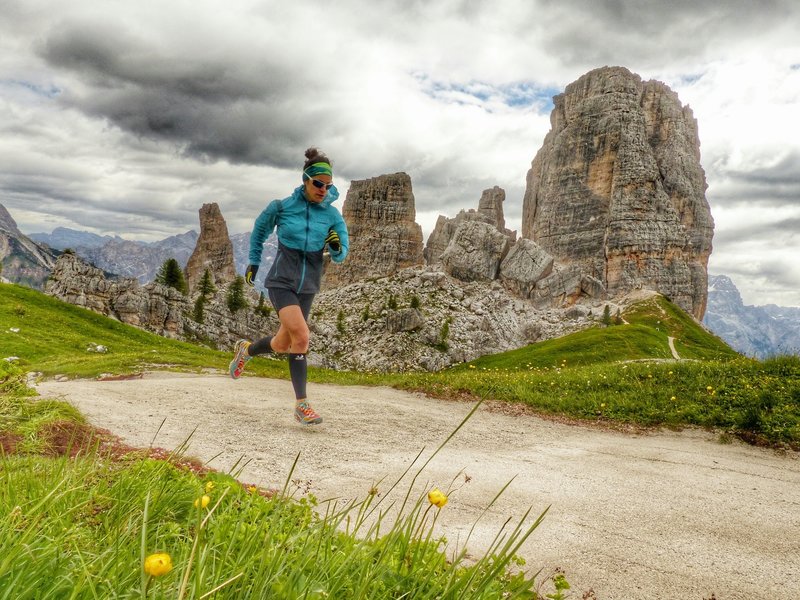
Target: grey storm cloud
{"type": "Point", "coordinates": [209, 109]}
{"type": "Point", "coordinates": [774, 231]}
{"type": "Point", "coordinates": [766, 186]}
{"type": "Point", "coordinates": [650, 32]}
{"type": "Point", "coordinates": [786, 171]}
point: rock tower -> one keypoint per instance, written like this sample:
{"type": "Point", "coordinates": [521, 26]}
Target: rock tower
{"type": "Point", "coordinates": [214, 250]}
{"type": "Point", "coordinates": [617, 191]}
{"type": "Point", "coordinates": [384, 235]}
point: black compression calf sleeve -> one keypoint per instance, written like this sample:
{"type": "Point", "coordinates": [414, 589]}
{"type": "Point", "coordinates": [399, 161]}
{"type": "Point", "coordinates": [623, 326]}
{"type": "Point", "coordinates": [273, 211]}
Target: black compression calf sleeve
{"type": "Point", "coordinates": [262, 346]}
{"type": "Point", "coordinates": [298, 369]}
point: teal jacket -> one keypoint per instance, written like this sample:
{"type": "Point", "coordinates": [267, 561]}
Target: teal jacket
{"type": "Point", "coordinates": [302, 229]}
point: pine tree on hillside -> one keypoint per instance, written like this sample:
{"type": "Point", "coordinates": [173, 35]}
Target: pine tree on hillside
{"type": "Point", "coordinates": [236, 298]}
{"type": "Point", "coordinates": [206, 284]}
{"type": "Point", "coordinates": [171, 275]}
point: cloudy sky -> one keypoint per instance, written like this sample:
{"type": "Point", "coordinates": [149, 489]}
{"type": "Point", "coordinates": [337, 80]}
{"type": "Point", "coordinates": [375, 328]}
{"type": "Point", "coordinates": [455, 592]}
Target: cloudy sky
{"type": "Point", "coordinates": [122, 117]}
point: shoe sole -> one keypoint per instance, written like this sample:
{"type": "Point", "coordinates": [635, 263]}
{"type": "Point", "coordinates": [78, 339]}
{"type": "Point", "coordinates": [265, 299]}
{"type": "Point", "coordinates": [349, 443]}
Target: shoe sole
{"type": "Point", "coordinates": [306, 423]}
{"type": "Point", "coordinates": [234, 363]}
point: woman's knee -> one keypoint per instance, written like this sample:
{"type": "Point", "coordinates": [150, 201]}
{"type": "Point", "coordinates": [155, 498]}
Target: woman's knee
{"type": "Point", "coordinates": [300, 341]}
{"type": "Point", "coordinates": [282, 344]}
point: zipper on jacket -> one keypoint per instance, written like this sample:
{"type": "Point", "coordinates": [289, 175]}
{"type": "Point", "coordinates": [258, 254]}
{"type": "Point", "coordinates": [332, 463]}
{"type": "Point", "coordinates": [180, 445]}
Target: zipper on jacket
{"type": "Point", "coordinates": [305, 248]}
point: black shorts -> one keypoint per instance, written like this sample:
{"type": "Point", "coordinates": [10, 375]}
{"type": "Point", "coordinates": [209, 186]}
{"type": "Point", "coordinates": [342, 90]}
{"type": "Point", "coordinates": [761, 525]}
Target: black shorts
{"type": "Point", "coordinates": [282, 298]}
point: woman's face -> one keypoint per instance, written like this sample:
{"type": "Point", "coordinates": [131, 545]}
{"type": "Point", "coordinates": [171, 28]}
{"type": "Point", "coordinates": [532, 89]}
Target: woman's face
{"type": "Point", "coordinates": [316, 192]}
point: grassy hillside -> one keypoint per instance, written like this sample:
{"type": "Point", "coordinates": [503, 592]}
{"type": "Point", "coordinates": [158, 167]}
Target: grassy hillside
{"type": "Point", "coordinates": [644, 334]}
{"type": "Point", "coordinates": [53, 337]}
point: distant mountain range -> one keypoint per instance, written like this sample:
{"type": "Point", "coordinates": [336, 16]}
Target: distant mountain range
{"type": "Point", "coordinates": [142, 260]}
{"type": "Point", "coordinates": [759, 331]}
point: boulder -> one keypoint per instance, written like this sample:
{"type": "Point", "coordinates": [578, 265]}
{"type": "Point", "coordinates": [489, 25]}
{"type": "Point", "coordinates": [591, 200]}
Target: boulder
{"type": "Point", "coordinates": [524, 265]}
{"type": "Point", "coordinates": [475, 252]}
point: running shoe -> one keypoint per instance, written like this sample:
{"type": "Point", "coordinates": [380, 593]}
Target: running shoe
{"type": "Point", "coordinates": [306, 415]}
{"type": "Point", "coordinates": [239, 358]}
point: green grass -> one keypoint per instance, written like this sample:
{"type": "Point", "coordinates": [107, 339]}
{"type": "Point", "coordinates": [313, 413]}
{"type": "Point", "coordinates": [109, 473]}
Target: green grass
{"type": "Point", "coordinates": [645, 337]}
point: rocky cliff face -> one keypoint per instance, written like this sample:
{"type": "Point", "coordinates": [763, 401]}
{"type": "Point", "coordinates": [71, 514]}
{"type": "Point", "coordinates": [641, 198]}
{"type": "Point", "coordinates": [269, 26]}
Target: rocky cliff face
{"type": "Point", "coordinates": [213, 251]}
{"type": "Point", "coordinates": [22, 260]}
{"type": "Point", "coordinates": [617, 193]}
{"type": "Point", "coordinates": [154, 307]}
{"type": "Point", "coordinates": [490, 211]}
{"type": "Point", "coordinates": [384, 235]}
{"type": "Point", "coordinates": [421, 318]}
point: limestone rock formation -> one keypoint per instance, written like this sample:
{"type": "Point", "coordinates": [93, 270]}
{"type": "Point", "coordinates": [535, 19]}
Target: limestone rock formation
{"type": "Point", "coordinates": [384, 236]}
{"type": "Point", "coordinates": [617, 192]}
{"type": "Point", "coordinates": [423, 319]}
{"type": "Point", "coordinates": [214, 250]}
{"type": "Point", "coordinates": [475, 252]}
{"type": "Point", "coordinates": [491, 205]}
{"type": "Point", "coordinates": [524, 265]}
{"type": "Point", "coordinates": [490, 210]}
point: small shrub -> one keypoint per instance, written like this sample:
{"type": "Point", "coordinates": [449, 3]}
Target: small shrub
{"type": "Point", "coordinates": [365, 313]}
{"type": "Point", "coordinates": [414, 301]}
{"type": "Point", "coordinates": [444, 334]}
{"type": "Point", "coordinates": [198, 314]}
{"type": "Point", "coordinates": [340, 322]}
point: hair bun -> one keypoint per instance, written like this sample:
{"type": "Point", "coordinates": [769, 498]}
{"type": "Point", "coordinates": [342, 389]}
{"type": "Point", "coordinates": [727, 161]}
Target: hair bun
{"type": "Point", "coordinates": [313, 155]}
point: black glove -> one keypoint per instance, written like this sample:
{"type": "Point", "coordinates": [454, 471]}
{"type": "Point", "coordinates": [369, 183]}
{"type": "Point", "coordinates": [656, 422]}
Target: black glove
{"type": "Point", "coordinates": [250, 275]}
{"type": "Point", "coordinates": [333, 241]}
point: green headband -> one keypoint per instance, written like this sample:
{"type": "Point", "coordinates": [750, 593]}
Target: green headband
{"type": "Point", "coordinates": [320, 168]}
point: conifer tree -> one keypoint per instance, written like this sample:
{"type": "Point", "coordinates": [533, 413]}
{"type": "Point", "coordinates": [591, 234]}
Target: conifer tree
{"type": "Point", "coordinates": [207, 284]}
{"type": "Point", "coordinates": [199, 313]}
{"type": "Point", "coordinates": [236, 298]}
{"type": "Point", "coordinates": [171, 275]}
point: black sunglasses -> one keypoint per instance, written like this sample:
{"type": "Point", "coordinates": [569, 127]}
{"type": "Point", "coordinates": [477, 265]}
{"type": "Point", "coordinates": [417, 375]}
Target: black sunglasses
{"type": "Point", "coordinates": [320, 184]}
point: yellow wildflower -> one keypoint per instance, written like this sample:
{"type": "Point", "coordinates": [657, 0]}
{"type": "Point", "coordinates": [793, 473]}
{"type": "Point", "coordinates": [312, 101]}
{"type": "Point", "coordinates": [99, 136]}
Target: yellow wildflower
{"type": "Point", "coordinates": [158, 564]}
{"type": "Point", "coordinates": [209, 486]}
{"type": "Point", "coordinates": [202, 501]}
{"type": "Point", "coordinates": [252, 489]}
{"type": "Point", "coordinates": [437, 497]}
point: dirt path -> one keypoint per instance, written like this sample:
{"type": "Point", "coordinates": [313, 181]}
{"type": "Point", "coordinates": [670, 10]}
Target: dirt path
{"type": "Point", "coordinates": [663, 515]}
